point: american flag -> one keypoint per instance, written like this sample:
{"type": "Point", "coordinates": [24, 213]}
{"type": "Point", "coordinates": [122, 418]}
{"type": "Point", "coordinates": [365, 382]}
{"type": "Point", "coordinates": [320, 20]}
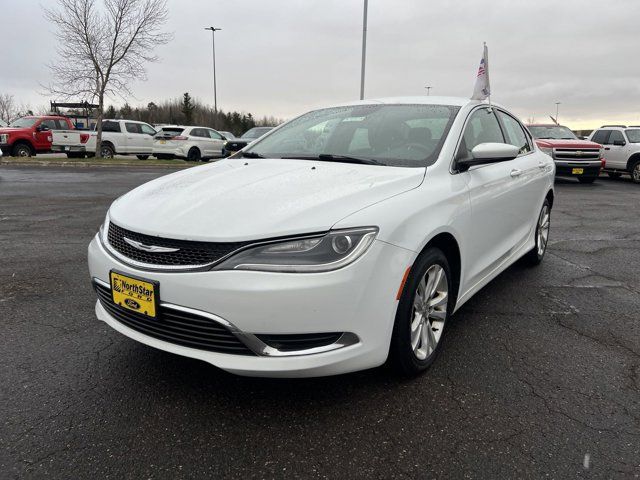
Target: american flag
{"type": "Point", "coordinates": [481, 70]}
{"type": "Point", "coordinates": [482, 90]}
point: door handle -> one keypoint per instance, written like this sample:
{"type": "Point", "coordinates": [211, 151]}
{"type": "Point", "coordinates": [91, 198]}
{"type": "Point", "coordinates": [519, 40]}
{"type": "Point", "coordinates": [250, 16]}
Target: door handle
{"type": "Point", "coordinates": [516, 172]}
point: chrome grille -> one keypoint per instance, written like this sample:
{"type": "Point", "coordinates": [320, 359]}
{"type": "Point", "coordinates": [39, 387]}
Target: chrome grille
{"type": "Point", "coordinates": [189, 254]}
{"type": "Point", "coordinates": [175, 326]}
{"type": "Point", "coordinates": [576, 154]}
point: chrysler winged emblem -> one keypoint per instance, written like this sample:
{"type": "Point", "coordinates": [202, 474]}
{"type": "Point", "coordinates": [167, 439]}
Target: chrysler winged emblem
{"type": "Point", "coordinates": [149, 248]}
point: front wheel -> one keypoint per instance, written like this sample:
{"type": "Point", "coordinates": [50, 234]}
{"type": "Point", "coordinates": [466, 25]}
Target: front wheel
{"type": "Point", "coordinates": [106, 151]}
{"type": "Point", "coordinates": [22, 150]}
{"type": "Point", "coordinates": [425, 305]}
{"type": "Point", "coordinates": [635, 172]}
{"type": "Point", "coordinates": [536, 254]}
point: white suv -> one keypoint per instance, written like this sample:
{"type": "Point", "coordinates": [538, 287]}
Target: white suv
{"type": "Point", "coordinates": [190, 143]}
{"type": "Point", "coordinates": [621, 149]}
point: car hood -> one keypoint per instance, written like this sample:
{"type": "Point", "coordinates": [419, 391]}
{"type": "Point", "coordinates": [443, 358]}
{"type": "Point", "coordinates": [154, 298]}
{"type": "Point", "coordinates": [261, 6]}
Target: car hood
{"type": "Point", "coordinates": [552, 143]}
{"type": "Point", "coordinates": [14, 129]}
{"type": "Point", "coordinates": [248, 199]}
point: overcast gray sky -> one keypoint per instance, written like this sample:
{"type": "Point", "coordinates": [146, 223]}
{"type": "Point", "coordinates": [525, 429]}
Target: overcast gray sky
{"type": "Point", "coordinates": [283, 57]}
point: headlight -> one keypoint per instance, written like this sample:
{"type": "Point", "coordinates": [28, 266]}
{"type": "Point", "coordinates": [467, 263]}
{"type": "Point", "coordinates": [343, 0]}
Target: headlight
{"type": "Point", "coordinates": [322, 253]}
{"type": "Point", "coordinates": [548, 151]}
{"type": "Point", "coordinates": [104, 229]}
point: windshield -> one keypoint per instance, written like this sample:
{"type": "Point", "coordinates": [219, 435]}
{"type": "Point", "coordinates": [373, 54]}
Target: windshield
{"type": "Point", "coordinates": [24, 122]}
{"type": "Point", "coordinates": [393, 135]}
{"type": "Point", "coordinates": [553, 132]}
{"type": "Point", "coordinates": [256, 132]}
{"type": "Point", "coordinates": [633, 135]}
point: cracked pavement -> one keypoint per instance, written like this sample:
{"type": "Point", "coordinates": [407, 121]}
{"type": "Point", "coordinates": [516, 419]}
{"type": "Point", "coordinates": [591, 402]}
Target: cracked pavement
{"type": "Point", "coordinates": [539, 376]}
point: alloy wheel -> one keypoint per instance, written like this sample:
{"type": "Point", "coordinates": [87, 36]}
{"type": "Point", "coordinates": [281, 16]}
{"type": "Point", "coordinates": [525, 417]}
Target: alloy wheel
{"type": "Point", "coordinates": [635, 174]}
{"type": "Point", "coordinates": [429, 311]}
{"type": "Point", "coordinates": [543, 229]}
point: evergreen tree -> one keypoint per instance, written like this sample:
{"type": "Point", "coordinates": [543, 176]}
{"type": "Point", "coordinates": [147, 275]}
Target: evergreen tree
{"type": "Point", "coordinates": [110, 112]}
{"type": "Point", "coordinates": [187, 108]}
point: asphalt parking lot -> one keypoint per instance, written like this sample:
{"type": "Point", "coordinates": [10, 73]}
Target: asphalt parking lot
{"type": "Point", "coordinates": [539, 376]}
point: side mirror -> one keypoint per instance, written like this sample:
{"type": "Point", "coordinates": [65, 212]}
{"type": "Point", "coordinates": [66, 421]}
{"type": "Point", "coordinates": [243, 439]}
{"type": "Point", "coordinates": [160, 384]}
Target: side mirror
{"type": "Point", "coordinates": [42, 128]}
{"type": "Point", "coordinates": [619, 143]}
{"type": "Point", "coordinates": [485, 153]}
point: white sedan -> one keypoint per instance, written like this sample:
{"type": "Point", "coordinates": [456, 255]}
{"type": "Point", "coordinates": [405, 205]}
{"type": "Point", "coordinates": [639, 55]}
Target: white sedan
{"type": "Point", "coordinates": [190, 143]}
{"type": "Point", "coordinates": [340, 240]}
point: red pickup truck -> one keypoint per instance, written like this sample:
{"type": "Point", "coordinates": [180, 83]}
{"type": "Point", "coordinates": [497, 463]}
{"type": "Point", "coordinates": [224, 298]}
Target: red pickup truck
{"type": "Point", "coordinates": [27, 136]}
{"type": "Point", "coordinates": [573, 157]}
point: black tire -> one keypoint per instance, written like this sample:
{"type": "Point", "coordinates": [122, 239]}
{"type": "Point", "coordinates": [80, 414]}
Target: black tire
{"type": "Point", "coordinates": [22, 150]}
{"type": "Point", "coordinates": [614, 174]}
{"type": "Point", "coordinates": [535, 255]}
{"type": "Point", "coordinates": [142, 157]}
{"type": "Point", "coordinates": [107, 151]}
{"type": "Point", "coordinates": [587, 179]}
{"type": "Point", "coordinates": [194, 155]}
{"type": "Point", "coordinates": [75, 155]}
{"type": "Point", "coordinates": [634, 171]}
{"type": "Point", "coordinates": [401, 353]}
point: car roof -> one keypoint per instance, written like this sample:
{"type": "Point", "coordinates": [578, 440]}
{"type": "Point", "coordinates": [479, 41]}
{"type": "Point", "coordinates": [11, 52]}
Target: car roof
{"type": "Point", "coordinates": [544, 125]}
{"type": "Point", "coordinates": [418, 100]}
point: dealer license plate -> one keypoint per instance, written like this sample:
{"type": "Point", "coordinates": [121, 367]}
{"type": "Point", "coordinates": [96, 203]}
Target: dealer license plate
{"type": "Point", "coordinates": [577, 171]}
{"type": "Point", "coordinates": [136, 294]}
{"type": "Point", "coordinates": [162, 142]}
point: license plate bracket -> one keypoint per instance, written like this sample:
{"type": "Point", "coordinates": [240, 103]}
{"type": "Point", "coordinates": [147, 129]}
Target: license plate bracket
{"type": "Point", "coordinates": [134, 293]}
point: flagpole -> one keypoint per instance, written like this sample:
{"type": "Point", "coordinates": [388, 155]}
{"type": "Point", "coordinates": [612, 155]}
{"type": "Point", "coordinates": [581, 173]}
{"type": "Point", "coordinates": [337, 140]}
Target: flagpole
{"type": "Point", "coordinates": [486, 51]}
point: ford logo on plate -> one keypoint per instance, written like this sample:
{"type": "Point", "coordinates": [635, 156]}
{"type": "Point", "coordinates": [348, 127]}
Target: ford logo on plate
{"type": "Point", "coordinates": [132, 303]}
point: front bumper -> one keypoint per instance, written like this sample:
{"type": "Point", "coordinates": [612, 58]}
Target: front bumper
{"type": "Point", "coordinates": [567, 168]}
{"type": "Point", "coordinates": [359, 299]}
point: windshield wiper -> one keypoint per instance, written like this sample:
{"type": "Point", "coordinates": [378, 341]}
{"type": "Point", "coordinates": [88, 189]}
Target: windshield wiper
{"type": "Point", "coordinates": [327, 157]}
{"type": "Point", "coordinates": [250, 155]}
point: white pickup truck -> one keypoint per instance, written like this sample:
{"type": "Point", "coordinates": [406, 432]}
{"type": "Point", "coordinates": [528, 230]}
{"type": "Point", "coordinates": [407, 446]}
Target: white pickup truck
{"type": "Point", "coordinates": [119, 137]}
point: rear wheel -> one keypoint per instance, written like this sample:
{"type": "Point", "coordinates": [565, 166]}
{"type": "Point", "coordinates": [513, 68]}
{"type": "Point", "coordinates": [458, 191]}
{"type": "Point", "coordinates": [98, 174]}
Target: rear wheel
{"type": "Point", "coordinates": [22, 150]}
{"type": "Point", "coordinates": [106, 151]}
{"type": "Point", "coordinates": [535, 256]}
{"type": "Point", "coordinates": [614, 174]}
{"type": "Point", "coordinates": [586, 179]}
{"type": "Point", "coordinates": [194, 155]}
{"type": "Point", "coordinates": [422, 314]}
{"type": "Point", "coordinates": [635, 172]}
{"type": "Point", "coordinates": [142, 157]}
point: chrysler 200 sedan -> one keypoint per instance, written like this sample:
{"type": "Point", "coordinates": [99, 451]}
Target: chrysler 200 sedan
{"type": "Point", "coordinates": [343, 239]}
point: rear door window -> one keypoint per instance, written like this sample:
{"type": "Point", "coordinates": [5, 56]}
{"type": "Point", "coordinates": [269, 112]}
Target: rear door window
{"type": "Point", "coordinates": [133, 127]}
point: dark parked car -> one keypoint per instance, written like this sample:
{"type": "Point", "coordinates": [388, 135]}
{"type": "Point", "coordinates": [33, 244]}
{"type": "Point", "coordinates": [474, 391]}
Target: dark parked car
{"type": "Point", "coordinates": [235, 144]}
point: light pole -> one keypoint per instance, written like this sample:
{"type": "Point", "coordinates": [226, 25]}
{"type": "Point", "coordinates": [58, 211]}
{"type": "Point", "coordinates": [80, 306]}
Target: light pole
{"type": "Point", "coordinates": [557, 105]}
{"type": "Point", "coordinates": [364, 48]}
{"type": "Point", "coordinates": [428, 90]}
{"type": "Point", "coordinates": [213, 44]}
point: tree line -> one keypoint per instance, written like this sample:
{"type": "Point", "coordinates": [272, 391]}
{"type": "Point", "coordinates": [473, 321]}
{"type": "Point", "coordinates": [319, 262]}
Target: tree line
{"type": "Point", "coordinates": [188, 111]}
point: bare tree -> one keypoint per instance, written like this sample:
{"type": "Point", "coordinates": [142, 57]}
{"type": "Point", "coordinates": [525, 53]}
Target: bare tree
{"type": "Point", "coordinates": [104, 48]}
{"type": "Point", "coordinates": [8, 109]}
